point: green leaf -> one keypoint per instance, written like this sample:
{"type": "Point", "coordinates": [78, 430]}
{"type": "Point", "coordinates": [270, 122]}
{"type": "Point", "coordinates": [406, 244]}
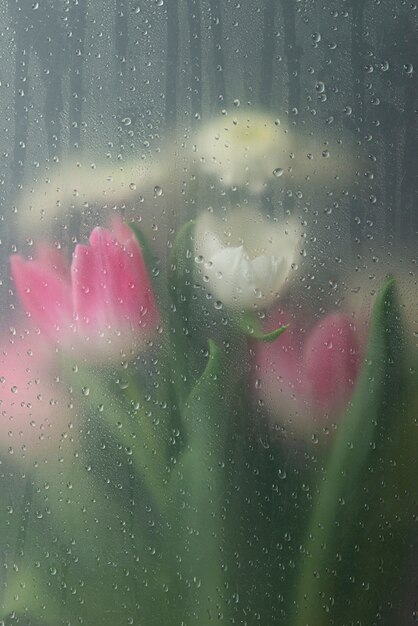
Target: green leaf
{"type": "Point", "coordinates": [27, 593]}
{"type": "Point", "coordinates": [251, 326]}
{"type": "Point", "coordinates": [121, 411]}
{"type": "Point", "coordinates": [334, 525]}
{"type": "Point", "coordinates": [180, 280]}
{"type": "Point", "coordinates": [183, 336]}
{"type": "Point", "coordinates": [151, 261]}
{"type": "Point", "coordinates": [81, 521]}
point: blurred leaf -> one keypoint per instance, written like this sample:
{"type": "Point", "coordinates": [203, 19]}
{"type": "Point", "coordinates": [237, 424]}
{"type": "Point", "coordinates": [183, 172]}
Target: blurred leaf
{"type": "Point", "coordinates": [335, 525]}
{"type": "Point", "coordinates": [185, 357]}
{"type": "Point", "coordinates": [27, 594]}
{"type": "Point", "coordinates": [251, 326]}
{"type": "Point", "coordinates": [151, 261]}
{"type": "Point", "coordinates": [115, 406]}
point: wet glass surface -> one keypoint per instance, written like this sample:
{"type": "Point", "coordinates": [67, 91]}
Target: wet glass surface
{"type": "Point", "coordinates": [209, 335]}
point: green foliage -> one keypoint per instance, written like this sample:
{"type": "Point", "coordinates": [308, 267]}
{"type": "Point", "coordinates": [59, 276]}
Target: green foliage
{"type": "Point", "coordinates": [349, 556]}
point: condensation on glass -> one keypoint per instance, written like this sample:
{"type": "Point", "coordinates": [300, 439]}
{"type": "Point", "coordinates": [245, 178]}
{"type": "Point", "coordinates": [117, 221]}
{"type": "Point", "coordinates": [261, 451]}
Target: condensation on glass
{"type": "Point", "coordinates": [208, 383]}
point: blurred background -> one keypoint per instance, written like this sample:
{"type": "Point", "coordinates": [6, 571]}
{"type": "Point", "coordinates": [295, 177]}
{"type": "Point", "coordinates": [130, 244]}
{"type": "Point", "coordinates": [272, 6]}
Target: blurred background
{"type": "Point", "coordinates": [104, 102]}
{"type": "Point", "coordinates": [96, 90]}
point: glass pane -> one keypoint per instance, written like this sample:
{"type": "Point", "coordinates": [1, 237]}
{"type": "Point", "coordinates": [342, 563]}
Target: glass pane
{"type": "Point", "coordinates": [208, 349]}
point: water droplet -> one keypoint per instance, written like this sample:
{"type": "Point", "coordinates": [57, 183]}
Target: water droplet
{"type": "Point", "coordinates": [158, 190]}
{"type": "Point", "coordinates": [278, 172]}
{"type": "Point", "coordinates": [85, 391]}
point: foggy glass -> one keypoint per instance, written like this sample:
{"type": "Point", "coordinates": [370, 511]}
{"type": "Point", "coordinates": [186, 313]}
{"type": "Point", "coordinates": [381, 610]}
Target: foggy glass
{"type": "Point", "coordinates": [118, 108]}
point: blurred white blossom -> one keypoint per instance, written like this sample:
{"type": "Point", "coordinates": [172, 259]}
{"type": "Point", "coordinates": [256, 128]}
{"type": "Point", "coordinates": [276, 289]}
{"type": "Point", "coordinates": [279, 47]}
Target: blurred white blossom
{"type": "Point", "coordinates": [243, 149]}
{"type": "Point", "coordinates": [78, 186]}
{"type": "Point", "coordinates": [244, 258]}
{"type": "Point", "coordinates": [250, 149]}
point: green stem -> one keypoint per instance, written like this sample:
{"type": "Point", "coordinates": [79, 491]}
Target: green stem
{"type": "Point", "coordinates": [199, 487]}
{"type": "Point", "coordinates": [124, 413]}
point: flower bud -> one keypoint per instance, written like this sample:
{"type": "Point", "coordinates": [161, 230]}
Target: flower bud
{"type": "Point", "coordinates": [305, 377]}
{"type": "Point", "coordinates": [102, 305]}
{"type": "Point", "coordinates": [245, 258]}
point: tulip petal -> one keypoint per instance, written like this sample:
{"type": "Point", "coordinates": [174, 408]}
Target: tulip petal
{"type": "Point", "coordinates": [111, 286]}
{"type": "Point", "coordinates": [137, 293]}
{"type": "Point", "coordinates": [45, 295]}
{"type": "Point", "coordinates": [106, 298]}
{"type": "Point", "coordinates": [232, 277]}
{"type": "Point", "coordinates": [247, 258]}
{"type": "Point", "coordinates": [307, 376]}
{"type": "Point", "coordinates": [331, 360]}
{"type": "Point", "coordinates": [85, 288]}
{"type": "Point", "coordinates": [53, 259]}
{"type": "Point", "coordinates": [270, 274]}
{"type": "Point", "coordinates": [124, 278]}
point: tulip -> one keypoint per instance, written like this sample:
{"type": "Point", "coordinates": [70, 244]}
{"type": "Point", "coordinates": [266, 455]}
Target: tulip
{"type": "Point", "coordinates": [306, 378]}
{"type": "Point", "coordinates": [244, 258]}
{"type": "Point", "coordinates": [102, 305]}
{"type": "Point", "coordinates": [34, 405]}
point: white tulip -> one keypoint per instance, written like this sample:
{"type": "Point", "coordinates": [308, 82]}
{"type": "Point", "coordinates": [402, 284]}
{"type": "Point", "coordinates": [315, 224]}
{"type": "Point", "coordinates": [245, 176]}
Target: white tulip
{"type": "Point", "coordinates": [244, 258]}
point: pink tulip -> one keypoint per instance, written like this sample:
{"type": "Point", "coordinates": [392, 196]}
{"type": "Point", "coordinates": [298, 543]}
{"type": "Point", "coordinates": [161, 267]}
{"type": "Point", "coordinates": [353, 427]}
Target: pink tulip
{"type": "Point", "coordinates": [34, 404]}
{"type": "Point", "coordinates": [102, 305]}
{"type": "Point", "coordinates": [305, 378]}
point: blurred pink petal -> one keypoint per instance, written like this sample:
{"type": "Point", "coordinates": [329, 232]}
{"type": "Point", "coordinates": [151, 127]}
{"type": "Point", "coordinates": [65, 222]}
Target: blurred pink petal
{"type": "Point", "coordinates": [331, 361]}
{"type": "Point", "coordinates": [307, 377]}
{"type": "Point", "coordinates": [44, 293]}
{"type": "Point", "coordinates": [103, 304]}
